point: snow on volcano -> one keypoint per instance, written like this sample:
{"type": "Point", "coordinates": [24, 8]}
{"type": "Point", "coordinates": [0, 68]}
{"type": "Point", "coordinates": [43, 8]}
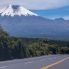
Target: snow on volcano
{"type": "Point", "coordinates": [13, 10]}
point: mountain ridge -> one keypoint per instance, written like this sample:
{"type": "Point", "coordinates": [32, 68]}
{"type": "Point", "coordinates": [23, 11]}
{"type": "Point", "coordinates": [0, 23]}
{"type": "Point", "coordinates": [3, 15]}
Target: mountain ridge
{"type": "Point", "coordinates": [35, 26]}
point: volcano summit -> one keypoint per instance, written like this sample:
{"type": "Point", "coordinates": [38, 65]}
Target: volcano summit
{"type": "Point", "coordinates": [13, 10]}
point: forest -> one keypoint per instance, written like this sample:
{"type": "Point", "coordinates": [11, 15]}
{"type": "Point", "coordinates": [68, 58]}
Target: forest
{"type": "Point", "coordinates": [18, 47]}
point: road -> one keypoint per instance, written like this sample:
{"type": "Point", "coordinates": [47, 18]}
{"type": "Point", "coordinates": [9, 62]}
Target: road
{"type": "Point", "coordinates": [44, 62]}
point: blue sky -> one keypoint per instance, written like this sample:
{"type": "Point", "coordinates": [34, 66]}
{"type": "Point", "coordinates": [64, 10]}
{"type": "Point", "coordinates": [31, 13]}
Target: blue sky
{"type": "Point", "coordinates": [62, 12]}
{"type": "Point", "coordinates": [49, 8]}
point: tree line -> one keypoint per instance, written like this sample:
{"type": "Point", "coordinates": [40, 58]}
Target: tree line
{"type": "Point", "coordinates": [16, 48]}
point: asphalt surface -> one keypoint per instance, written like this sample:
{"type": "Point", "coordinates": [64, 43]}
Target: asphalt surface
{"type": "Point", "coordinates": [37, 63]}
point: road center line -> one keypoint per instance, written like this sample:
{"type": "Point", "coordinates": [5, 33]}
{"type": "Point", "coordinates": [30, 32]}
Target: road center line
{"type": "Point", "coordinates": [53, 64]}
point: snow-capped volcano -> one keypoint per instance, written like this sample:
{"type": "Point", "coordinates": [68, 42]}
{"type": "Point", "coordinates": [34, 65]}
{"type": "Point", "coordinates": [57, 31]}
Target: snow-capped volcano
{"type": "Point", "coordinates": [19, 22]}
{"type": "Point", "coordinates": [13, 10]}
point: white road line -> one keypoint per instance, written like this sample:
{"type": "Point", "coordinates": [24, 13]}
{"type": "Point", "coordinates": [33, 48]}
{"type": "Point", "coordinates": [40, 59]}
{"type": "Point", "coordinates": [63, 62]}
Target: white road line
{"type": "Point", "coordinates": [3, 67]}
{"type": "Point", "coordinates": [28, 62]}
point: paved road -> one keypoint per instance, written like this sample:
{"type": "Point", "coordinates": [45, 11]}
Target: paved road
{"type": "Point", "coordinates": [44, 62]}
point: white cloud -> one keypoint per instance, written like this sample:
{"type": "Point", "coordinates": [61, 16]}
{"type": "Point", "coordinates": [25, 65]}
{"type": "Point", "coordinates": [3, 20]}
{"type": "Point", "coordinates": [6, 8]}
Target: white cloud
{"type": "Point", "coordinates": [49, 4]}
{"type": "Point", "coordinates": [66, 17]}
{"type": "Point", "coordinates": [38, 4]}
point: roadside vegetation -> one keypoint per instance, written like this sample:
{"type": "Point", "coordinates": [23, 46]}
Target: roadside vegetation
{"type": "Point", "coordinates": [16, 48]}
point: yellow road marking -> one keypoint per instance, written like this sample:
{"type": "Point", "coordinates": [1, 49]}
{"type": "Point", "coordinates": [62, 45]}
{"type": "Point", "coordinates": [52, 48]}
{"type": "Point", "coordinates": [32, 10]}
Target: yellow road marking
{"type": "Point", "coordinates": [53, 64]}
{"type": "Point", "coordinates": [44, 67]}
